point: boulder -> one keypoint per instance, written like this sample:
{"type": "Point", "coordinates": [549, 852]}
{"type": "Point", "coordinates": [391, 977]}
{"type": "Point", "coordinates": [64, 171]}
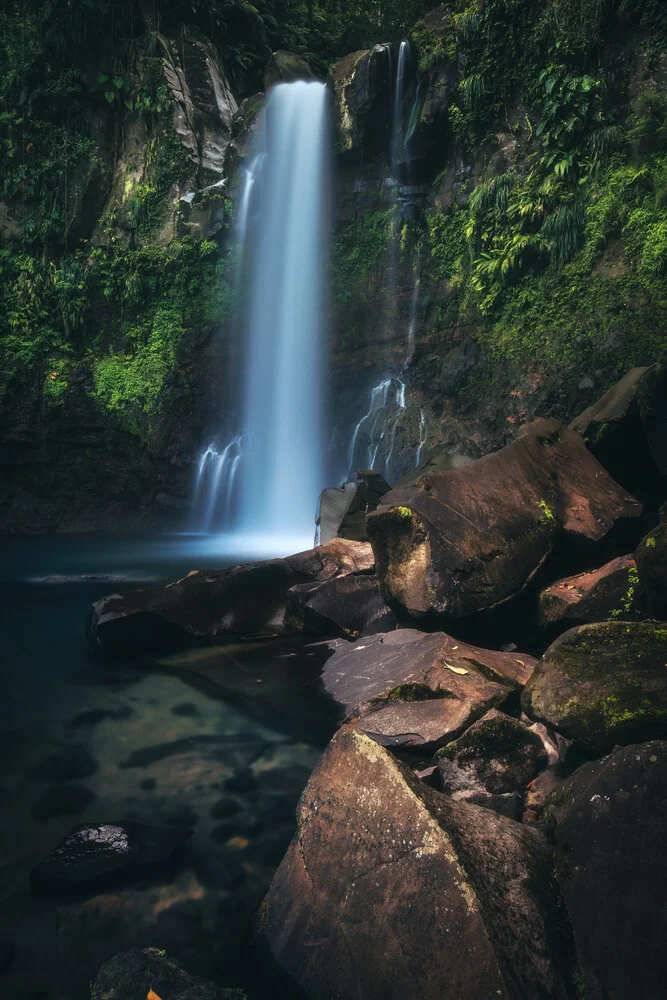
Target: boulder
{"type": "Point", "coordinates": [603, 684]}
{"type": "Point", "coordinates": [609, 823]}
{"type": "Point", "coordinates": [498, 755]}
{"type": "Point", "coordinates": [390, 890]}
{"type": "Point", "coordinates": [342, 510]}
{"type": "Point", "coordinates": [610, 592]}
{"type": "Point", "coordinates": [458, 542]}
{"type": "Point", "coordinates": [135, 975]}
{"type": "Point", "coordinates": [346, 606]}
{"type": "Point", "coordinates": [362, 101]}
{"type": "Point", "coordinates": [626, 429]}
{"type": "Point", "coordinates": [95, 856]}
{"type": "Point", "coordinates": [286, 67]}
{"type": "Point", "coordinates": [414, 688]}
{"type": "Point", "coordinates": [651, 558]}
{"type": "Point", "coordinates": [247, 599]}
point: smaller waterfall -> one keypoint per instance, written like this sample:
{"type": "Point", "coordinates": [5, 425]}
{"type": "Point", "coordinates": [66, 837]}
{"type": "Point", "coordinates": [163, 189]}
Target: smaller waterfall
{"type": "Point", "coordinates": [377, 428]}
{"type": "Point", "coordinates": [423, 434]}
{"type": "Point", "coordinates": [214, 486]}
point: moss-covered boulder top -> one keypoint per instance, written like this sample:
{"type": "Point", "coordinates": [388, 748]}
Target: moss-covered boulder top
{"type": "Point", "coordinates": [603, 684]}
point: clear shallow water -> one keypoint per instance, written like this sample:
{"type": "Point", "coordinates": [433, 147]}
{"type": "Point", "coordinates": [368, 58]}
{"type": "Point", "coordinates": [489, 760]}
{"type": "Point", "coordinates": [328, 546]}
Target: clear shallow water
{"type": "Point", "coordinates": [164, 748]}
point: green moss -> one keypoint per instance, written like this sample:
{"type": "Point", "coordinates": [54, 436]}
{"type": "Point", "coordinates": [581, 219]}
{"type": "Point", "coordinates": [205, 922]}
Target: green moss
{"type": "Point", "coordinates": [547, 515]}
{"type": "Point", "coordinates": [404, 512]}
{"type": "Point", "coordinates": [628, 599]}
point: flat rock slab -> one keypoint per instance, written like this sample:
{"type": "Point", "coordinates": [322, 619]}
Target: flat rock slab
{"type": "Point", "coordinates": [346, 606]}
{"type": "Point", "coordinates": [95, 856]}
{"type": "Point", "coordinates": [391, 890]}
{"type": "Point", "coordinates": [603, 684]}
{"type": "Point", "coordinates": [612, 591]}
{"type": "Point", "coordinates": [248, 599]}
{"type": "Point", "coordinates": [454, 543]}
{"type": "Point", "coordinates": [135, 975]}
{"type": "Point", "coordinates": [609, 823]}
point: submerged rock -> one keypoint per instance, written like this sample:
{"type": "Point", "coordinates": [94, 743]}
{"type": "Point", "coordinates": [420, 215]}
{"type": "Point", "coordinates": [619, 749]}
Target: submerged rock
{"type": "Point", "coordinates": [342, 510]}
{"type": "Point", "coordinates": [603, 684]}
{"type": "Point", "coordinates": [651, 558]}
{"type": "Point", "coordinates": [626, 429]}
{"type": "Point", "coordinates": [414, 688]}
{"type": "Point", "coordinates": [391, 890]}
{"type": "Point", "coordinates": [612, 591]}
{"type": "Point", "coordinates": [135, 975]}
{"type": "Point", "coordinates": [247, 599]}
{"type": "Point", "coordinates": [608, 825]}
{"type": "Point", "coordinates": [462, 541]}
{"type": "Point", "coordinates": [346, 606]}
{"type": "Point", "coordinates": [95, 856]}
{"type": "Point", "coordinates": [498, 755]}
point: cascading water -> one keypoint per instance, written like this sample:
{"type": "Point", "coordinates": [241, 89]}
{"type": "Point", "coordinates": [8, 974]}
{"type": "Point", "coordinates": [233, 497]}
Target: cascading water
{"type": "Point", "coordinates": [270, 486]}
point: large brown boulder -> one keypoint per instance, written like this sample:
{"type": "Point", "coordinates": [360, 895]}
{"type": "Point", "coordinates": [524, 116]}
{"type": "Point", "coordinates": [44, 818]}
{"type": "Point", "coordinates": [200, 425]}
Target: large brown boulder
{"type": "Point", "coordinates": [610, 592]}
{"type": "Point", "coordinates": [457, 542]}
{"type": "Point", "coordinates": [346, 606]}
{"type": "Point", "coordinates": [603, 684]}
{"type": "Point", "coordinates": [248, 599]}
{"type": "Point", "coordinates": [609, 823]}
{"type": "Point", "coordinates": [414, 688]}
{"type": "Point", "coordinates": [392, 890]}
{"type": "Point", "coordinates": [626, 429]}
{"type": "Point", "coordinates": [286, 67]}
{"type": "Point", "coordinates": [651, 558]}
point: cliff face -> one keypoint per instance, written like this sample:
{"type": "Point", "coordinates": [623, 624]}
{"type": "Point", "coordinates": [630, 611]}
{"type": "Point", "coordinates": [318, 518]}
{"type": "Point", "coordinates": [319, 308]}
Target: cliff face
{"type": "Point", "coordinates": [505, 259]}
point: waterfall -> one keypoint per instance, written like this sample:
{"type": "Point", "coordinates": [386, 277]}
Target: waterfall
{"type": "Point", "coordinates": [375, 433]}
{"type": "Point", "coordinates": [270, 478]}
{"type": "Point", "coordinates": [398, 131]}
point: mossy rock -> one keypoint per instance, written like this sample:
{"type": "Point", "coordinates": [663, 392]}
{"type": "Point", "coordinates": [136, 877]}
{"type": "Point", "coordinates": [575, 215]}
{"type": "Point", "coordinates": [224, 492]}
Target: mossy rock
{"type": "Point", "coordinates": [603, 684]}
{"type": "Point", "coordinates": [651, 559]}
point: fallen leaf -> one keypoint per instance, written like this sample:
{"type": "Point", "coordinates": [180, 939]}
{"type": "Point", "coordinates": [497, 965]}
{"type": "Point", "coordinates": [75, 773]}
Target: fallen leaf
{"type": "Point", "coordinates": [152, 995]}
{"type": "Point", "coordinates": [457, 670]}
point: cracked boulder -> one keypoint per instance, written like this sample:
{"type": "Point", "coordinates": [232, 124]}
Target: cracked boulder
{"type": "Point", "coordinates": [135, 975]}
{"type": "Point", "coordinates": [346, 606]}
{"type": "Point", "coordinates": [603, 684]}
{"type": "Point", "coordinates": [491, 763]}
{"type": "Point", "coordinates": [390, 890]}
{"type": "Point", "coordinates": [247, 599]}
{"type": "Point", "coordinates": [410, 688]}
{"type": "Point", "coordinates": [608, 824]}
{"type": "Point", "coordinates": [458, 542]}
{"type": "Point", "coordinates": [651, 558]}
{"type": "Point", "coordinates": [342, 510]}
{"type": "Point", "coordinates": [612, 591]}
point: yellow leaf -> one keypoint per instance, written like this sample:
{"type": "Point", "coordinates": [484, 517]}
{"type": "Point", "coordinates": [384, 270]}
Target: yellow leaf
{"type": "Point", "coordinates": [152, 995]}
{"type": "Point", "coordinates": [454, 647]}
{"type": "Point", "coordinates": [457, 670]}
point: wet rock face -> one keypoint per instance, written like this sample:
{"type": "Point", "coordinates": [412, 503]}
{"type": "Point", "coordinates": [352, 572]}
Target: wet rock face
{"type": "Point", "coordinates": [612, 591]}
{"type": "Point", "coordinates": [342, 510]}
{"type": "Point", "coordinates": [626, 429]}
{"type": "Point", "coordinates": [411, 688]}
{"type": "Point", "coordinates": [133, 975]}
{"type": "Point", "coordinates": [97, 856]}
{"type": "Point", "coordinates": [362, 97]}
{"type": "Point", "coordinates": [285, 67]}
{"type": "Point", "coordinates": [456, 900]}
{"type": "Point", "coordinates": [248, 599]}
{"type": "Point", "coordinates": [603, 684]}
{"type": "Point", "coordinates": [458, 542]}
{"type": "Point", "coordinates": [609, 828]}
{"type": "Point", "coordinates": [651, 557]}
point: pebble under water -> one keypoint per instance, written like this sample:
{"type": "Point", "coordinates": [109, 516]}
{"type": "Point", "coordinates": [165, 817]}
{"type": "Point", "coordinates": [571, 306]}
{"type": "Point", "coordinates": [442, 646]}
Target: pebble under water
{"type": "Point", "coordinates": [90, 740]}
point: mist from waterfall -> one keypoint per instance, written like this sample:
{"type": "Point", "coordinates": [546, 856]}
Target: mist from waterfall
{"type": "Point", "coordinates": [265, 481]}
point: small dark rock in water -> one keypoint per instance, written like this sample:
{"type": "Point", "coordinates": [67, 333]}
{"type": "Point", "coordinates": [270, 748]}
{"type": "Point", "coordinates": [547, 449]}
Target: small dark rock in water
{"type": "Point", "coordinates": [225, 808]}
{"type": "Point", "coordinates": [242, 825]}
{"type": "Point", "coordinates": [93, 716]}
{"type": "Point", "coordinates": [186, 709]}
{"type": "Point", "coordinates": [148, 784]}
{"type": "Point", "coordinates": [69, 764]}
{"type": "Point", "coordinates": [242, 781]}
{"type": "Point", "coordinates": [137, 974]}
{"type": "Point", "coordinates": [6, 953]}
{"type": "Point", "coordinates": [62, 800]}
{"type": "Point", "coordinates": [182, 816]}
{"type": "Point", "coordinates": [222, 870]}
{"type": "Point", "coordinates": [96, 856]}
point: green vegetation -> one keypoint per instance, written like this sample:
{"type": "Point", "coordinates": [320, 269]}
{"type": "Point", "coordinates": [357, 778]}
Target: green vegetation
{"type": "Point", "coordinates": [628, 599]}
